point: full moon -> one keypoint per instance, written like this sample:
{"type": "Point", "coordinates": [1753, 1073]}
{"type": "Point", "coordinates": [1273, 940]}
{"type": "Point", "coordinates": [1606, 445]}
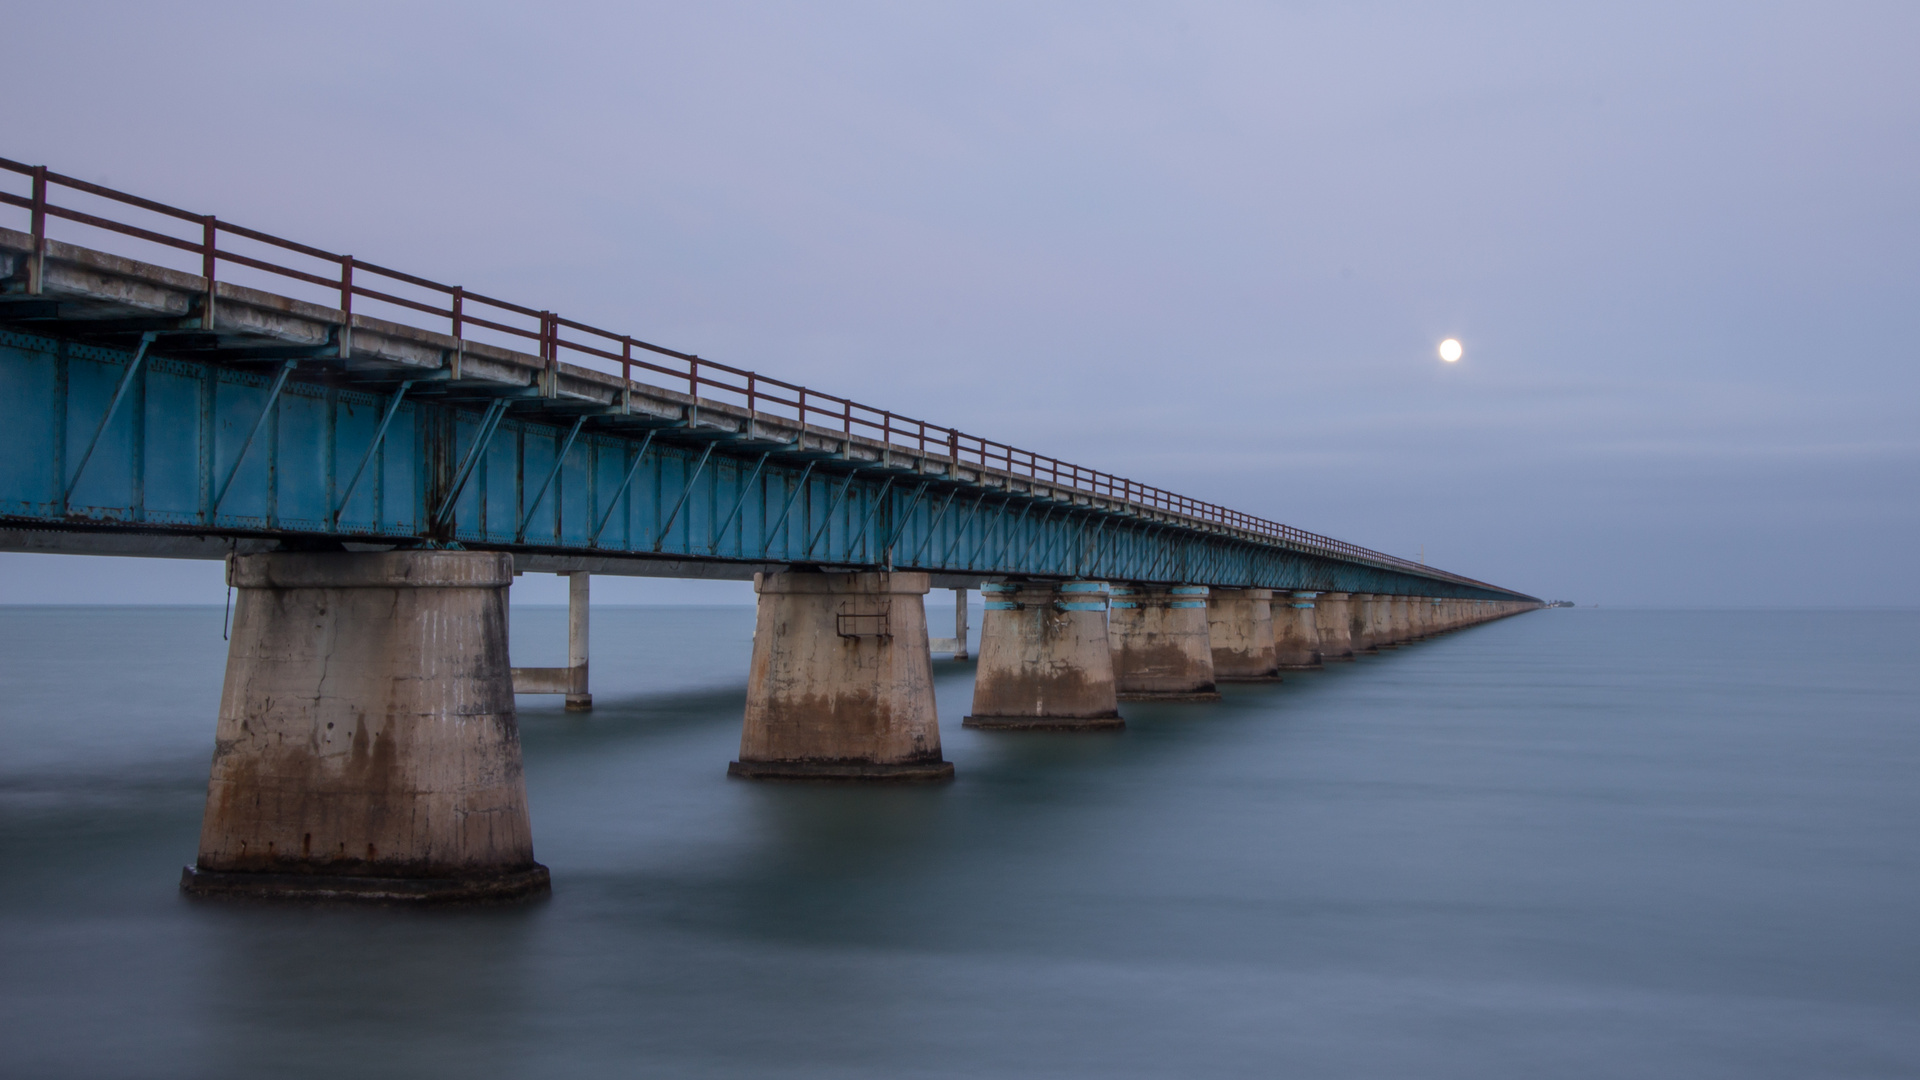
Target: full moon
{"type": "Point", "coordinates": [1450, 350]}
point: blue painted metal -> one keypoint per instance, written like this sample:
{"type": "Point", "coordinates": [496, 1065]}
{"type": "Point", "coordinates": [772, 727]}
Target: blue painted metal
{"type": "Point", "coordinates": [113, 406]}
{"type": "Point", "coordinates": [476, 452]}
{"type": "Point", "coordinates": [266, 413]}
{"type": "Point", "coordinates": [559, 460]}
{"type": "Point", "coordinates": [379, 437]}
{"type": "Point", "coordinates": [1073, 591]}
{"type": "Point", "coordinates": [746, 489]}
{"type": "Point", "coordinates": [203, 448]}
{"type": "Point", "coordinates": [685, 494]}
{"type": "Point", "coordinates": [626, 482]}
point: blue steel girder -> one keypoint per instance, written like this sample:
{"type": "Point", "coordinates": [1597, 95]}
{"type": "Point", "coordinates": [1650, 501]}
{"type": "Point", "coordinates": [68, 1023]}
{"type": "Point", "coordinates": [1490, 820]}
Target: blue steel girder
{"type": "Point", "coordinates": [322, 453]}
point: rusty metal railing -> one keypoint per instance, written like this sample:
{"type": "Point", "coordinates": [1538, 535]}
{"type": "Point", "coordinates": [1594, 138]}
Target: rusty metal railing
{"type": "Point", "coordinates": [463, 311]}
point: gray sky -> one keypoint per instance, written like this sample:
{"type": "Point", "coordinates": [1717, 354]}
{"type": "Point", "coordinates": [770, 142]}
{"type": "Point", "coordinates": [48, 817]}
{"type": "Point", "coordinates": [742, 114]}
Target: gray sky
{"type": "Point", "coordinates": [1210, 246]}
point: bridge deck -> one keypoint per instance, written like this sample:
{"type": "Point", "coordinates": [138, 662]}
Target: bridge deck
{"type": "Point", "coordinates": [238, 418]}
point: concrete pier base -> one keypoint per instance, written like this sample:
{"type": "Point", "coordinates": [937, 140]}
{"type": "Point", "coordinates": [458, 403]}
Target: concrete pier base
{"type": "Point", "coordinates": [1161, 651]}
{"type": "Point", "coordinates": [367, 747]}
{"type": "Point", "coordinates": [841, 683]}
{"type": "Point", "coordinates": [1045, 662]}
{"type": "Point", "coordinates": [1334, 623]}
{"type": "Point", "coordinates": [1296, 632]}
{"type": "Point", "coordinates": [1240, 624]}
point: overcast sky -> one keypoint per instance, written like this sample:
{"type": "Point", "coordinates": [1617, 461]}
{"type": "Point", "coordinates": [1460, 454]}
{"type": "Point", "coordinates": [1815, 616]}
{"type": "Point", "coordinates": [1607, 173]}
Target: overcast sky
{"type": "Point", "coordinates": [1209, 246]}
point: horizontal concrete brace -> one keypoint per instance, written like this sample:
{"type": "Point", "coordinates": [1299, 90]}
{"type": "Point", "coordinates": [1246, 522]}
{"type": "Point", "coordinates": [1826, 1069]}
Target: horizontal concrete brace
{"type": "Point", "coordinates": [550, 680]}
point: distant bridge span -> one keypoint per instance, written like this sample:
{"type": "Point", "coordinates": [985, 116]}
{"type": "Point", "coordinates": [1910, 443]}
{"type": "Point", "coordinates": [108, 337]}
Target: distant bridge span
{"type": "Point", "coordinates": [176, 385]}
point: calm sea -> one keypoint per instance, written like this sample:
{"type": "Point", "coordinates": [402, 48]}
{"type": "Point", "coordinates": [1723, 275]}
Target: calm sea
{"type": "Point", "coordinates": [1572, 844]}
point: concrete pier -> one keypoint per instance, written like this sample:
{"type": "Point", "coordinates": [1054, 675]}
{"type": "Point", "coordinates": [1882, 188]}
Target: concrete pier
{"type": "Point", "coordinates": [1161, 650]}
{"type": "Point", "coordinates": [367, 747]}
{"type": "Point", "coordinates": [1334, 623]}
{"type": "Point", "coordinates": [841, 683]}
{"type": "Point", "coordinates": [1296, 632]}
{"type": "Point", "coordinates": [1380, 622]}
{"type": "Point", "coordinates": [1045, 661]}
{"type": "Point", "coordinates": [572, 679]}
{"type": "Point", "coordinates": [1240, 623]}
{"type": "Point", "coordinates": [1360, 622]}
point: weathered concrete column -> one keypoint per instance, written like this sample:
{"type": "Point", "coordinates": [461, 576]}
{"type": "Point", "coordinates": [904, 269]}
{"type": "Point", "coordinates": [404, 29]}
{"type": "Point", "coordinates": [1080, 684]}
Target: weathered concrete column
{"type": "Point", "coordinates": [1334, 622]}
{"type": "Point", "coordinates": [1161, 651]}
{"type": "Point", "coordinates": [1418, 607]}
{"type": "Point", "coordinates": [572, 679]}
{"type": "Point", "coordinates": [367, 747]}
{"type": "Point", "coordinates": [1296, 632]}
{"type": "Point", "coordinates": [1399, 611]}
{"type": "Point", "coordinates": [1045, 662]}
{"type": "Point", "coordinates": [841, 683]}
{"type": "Point", "coordinates": [1393, 621]}
{"type": "Point", "coordinates": [960, 624]}
{"type": "Point", "coordinates": [1240, 623]}
{"type": "Point", "coordinates": [1380, 621]}
{"type": "Point", "coordinates": [1360, 622]}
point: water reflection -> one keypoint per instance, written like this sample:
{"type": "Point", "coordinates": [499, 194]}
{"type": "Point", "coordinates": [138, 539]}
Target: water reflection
{"type": "Point", "coordinates": [1548, 846]}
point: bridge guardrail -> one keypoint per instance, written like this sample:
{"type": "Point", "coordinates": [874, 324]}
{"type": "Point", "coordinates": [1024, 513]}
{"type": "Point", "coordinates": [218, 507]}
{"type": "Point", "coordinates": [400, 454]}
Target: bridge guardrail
{"type": "Point", "coordinates": [464, 311]}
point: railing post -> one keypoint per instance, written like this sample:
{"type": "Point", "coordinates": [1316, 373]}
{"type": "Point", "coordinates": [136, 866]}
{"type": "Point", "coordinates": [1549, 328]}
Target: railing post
{"type": "Point", "coordinates": [346, 306]}
{"type": "Point", "coordinates": [459, 343]}
{"type": "Point", "coordinates": [209, 232]}
{"type": "Point", "coordinates": [550, 352]}
{"type": "Point", "coordinates": [38, 267]}
{"type": "Point", "coordinates": [626, 374]}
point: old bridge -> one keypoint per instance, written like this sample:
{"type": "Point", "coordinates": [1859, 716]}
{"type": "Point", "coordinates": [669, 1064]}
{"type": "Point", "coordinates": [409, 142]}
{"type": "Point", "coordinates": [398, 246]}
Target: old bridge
{"type": "Point", "coordinates": [376, 455]}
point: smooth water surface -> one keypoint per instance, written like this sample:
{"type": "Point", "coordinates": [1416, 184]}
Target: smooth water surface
{"type": "Point", "coordinates": [1570, 844]}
